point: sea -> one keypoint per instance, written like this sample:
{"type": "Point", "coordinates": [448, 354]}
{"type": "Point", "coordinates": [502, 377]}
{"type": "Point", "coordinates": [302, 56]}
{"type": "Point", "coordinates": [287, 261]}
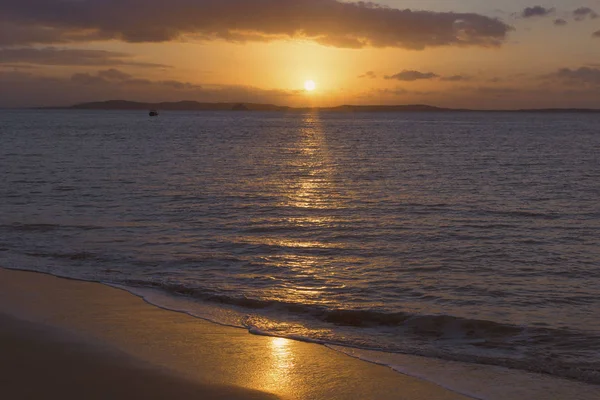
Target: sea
{"type": "Point", "coordinates": [453, 236]}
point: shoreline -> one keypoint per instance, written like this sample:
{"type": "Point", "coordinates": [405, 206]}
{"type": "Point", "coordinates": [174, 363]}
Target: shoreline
{"type": "Point", "coordinates": [223, 359]}
{"type": "Point", "coordinates": [448, 379]}
{"type": "Point", "coordinates": [126, 312]}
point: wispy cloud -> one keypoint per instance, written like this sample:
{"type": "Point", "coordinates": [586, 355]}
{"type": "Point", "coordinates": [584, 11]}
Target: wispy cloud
{"type": "Point", "coordinates": [115, 76]}
{"type": "Point", "coordinates": [410, 76]}
{"type": "Point", "coordinates": [580, 76]}
{"type": "Point", "coordinates": [456, 78]}
{"type": "Point", "coordinates": [368, 74]}
{"type": "Point", "coordinates": [73, 57]}
{"type": "Point", "coordinates": [329, 22]}
{"type": "Point", "coordinates": [24, 89]}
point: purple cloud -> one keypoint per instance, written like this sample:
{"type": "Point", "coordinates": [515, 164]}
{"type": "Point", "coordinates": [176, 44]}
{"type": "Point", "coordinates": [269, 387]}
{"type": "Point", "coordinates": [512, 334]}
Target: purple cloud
{"type": "Point", "coordinates": [536, 11]}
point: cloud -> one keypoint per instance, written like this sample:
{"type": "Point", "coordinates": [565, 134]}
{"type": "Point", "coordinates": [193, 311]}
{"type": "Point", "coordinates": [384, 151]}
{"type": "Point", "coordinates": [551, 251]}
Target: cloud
{"type": "Point", "coordinates": [560, 22]}
{"type": "Point", "coordinates": [12, 33]}
{"type": "Point", "coordinates": [584, 12]}
{"type": "Point", "coordinates": [368, 74]}
{"type": "Point", "coordinates": [114, 75]}
{"type": "Point", "coordinates": [456, 78]}
{"type": "Point", "coordinates": [17, 66]}
{"type": "Point", "coordinates": [410, 76]}
{"type": "Point", "coordinates": [71, 57]}
{"type": "Point", "coordinates": [596, 34]}
{"type": "Point", "coordinates": [402, 91]}
{"type": "Point", "coordinates": [536, 11]}
{"type": "Point", "coordinates": [580, 76]}
{"type": "Point", "coordinates": [329, 22]}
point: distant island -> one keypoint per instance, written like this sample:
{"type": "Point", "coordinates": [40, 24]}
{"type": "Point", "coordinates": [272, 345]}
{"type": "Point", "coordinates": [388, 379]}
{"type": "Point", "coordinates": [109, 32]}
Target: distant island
{"type": "Point", "coordinates": [198, 106]}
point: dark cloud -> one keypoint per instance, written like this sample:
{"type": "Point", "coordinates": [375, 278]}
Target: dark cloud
{"type": "Point", "coordinates": [410, 76]}
{"type": "Point", "coordinates": [55, 56]}
{"type": "Point", "coordinates": [584, 12]}
{"type": "Point", "coordinates": [536, 11]}
{"type": "Point", "coordinates": [560, 22]}
{"type": "Point", "coordinates": [456, 78]}
{"type": "Point", "coordinates": [368, 74]}
{"type": "Point", "coordinates": [329, 22]}
{"type": "Point", "coordinates": [596, 34]}
{"type": "Point", "coordinates": [580, 76]}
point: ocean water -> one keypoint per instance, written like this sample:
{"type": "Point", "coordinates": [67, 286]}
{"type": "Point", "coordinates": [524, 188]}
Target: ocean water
{"type": "Point", "coordinates": [472, 237]}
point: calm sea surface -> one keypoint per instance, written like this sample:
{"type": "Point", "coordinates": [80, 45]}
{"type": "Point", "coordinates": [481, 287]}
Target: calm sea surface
{"type": "Point", "coordinates": [464, 236]}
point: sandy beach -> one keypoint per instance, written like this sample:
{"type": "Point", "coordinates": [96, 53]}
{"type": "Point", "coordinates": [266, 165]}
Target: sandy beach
{"type": "Point", "coordinates": [78, 339]}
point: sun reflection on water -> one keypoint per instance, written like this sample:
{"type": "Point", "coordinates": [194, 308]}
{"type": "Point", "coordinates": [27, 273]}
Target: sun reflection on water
{"type": "Point", "coordinates": [314, 188]}
{"type": "Point", "coordinates": [310, 201]}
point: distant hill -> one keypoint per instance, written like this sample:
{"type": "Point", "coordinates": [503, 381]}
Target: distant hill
{"type": "Point", "coordinates": [197, 106]}
{"type": "Point", "coordinates": [176, 106]}
{"type": "Point", "coordinates": [383, 108]}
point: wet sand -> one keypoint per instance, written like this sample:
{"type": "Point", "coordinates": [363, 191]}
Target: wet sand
{"type": "Point", "coordinates": [40, 363]}
{"type": "Point", "coordinates": [69, 339]}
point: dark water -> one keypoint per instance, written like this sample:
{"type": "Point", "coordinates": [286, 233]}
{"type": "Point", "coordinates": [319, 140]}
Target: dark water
{"type": "Point", "coordinates": [471, 237]}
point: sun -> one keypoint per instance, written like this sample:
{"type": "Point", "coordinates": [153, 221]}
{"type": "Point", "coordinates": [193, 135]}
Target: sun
{"type": "Point", "coordinates": [310, 85]}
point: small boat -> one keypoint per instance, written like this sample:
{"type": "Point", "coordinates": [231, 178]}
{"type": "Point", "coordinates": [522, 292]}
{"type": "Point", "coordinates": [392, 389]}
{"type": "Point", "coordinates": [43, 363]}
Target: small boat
{"type": "Point", "coordinates": [153, 113]}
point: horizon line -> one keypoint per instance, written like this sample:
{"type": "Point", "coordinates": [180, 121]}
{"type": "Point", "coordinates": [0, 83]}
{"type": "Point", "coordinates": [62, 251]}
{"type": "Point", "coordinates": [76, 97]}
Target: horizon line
{"type": "Point", "coordinates": [195, 105]}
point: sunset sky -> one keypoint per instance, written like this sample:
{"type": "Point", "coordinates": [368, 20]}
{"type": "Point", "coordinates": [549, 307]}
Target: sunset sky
{"type": "Point", "coordinates": [450, 53]}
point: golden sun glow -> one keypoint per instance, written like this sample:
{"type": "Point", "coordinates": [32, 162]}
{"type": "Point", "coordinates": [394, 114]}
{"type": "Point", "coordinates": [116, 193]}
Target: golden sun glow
{"type": "Point", "coordinates": [310, 85]}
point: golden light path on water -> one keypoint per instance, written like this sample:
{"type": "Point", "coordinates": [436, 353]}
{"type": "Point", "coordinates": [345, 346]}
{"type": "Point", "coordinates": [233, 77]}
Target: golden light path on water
{"type": "Point", "coordinates": [308, 190]}
{"type": "Point", "coordinates": [313, 190]}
